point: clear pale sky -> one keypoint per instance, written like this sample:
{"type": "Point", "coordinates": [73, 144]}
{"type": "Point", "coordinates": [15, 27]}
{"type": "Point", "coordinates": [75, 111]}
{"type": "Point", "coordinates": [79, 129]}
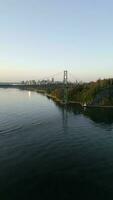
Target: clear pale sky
{"type": "Point", "coordinates": [41, 37]}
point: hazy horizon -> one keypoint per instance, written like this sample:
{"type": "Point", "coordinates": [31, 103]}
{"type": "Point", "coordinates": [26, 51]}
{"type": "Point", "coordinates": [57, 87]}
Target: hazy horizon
{"type": "Point", "coordinates": [39, 38]}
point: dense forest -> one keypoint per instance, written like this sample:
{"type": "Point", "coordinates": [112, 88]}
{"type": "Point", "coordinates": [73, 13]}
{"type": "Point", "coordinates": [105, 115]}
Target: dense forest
{"type": "Point", "coordinates": [95, 93]}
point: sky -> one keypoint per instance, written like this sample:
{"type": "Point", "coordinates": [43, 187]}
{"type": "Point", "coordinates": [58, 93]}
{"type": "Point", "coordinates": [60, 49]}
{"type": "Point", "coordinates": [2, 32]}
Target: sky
{"type": "Point", "coordinates": [39, 38]}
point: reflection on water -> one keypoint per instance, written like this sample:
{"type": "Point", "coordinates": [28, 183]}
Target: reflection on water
{"type": "Point", "coordinates": [29, 94]}
{"type": "Point", "coordinates": [49, 151]}
{"type": "Point", "coordinates": [65, 119]}
{"type": "Point", "coordinates": [101, 116]}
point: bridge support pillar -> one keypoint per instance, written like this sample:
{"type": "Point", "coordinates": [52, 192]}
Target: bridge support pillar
{"type": "Point", "coordinates": [65, 87]}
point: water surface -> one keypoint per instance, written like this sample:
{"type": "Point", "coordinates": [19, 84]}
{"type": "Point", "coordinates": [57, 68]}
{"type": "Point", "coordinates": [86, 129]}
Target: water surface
{"type": "Point", "coordinates": [52, 152]}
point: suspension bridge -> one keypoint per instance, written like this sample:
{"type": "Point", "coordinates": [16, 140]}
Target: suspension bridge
{"type": "Point", "coordinates": [62, 79]}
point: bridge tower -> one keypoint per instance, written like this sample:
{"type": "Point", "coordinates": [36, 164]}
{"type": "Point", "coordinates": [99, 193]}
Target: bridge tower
{"type": "Point", "coordinates": [65, 81]}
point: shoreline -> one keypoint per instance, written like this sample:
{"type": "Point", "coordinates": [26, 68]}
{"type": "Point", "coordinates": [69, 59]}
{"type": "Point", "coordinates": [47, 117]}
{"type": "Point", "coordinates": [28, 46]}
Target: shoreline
{"type": "Point", "coordinates": [75, 103]}
{"type": "Point", "coordinates": [54, 98]}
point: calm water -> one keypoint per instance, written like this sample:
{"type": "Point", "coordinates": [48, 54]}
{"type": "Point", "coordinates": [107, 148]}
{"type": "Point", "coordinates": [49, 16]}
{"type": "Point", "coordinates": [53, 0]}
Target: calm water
{"type": "Point", "coordinates": [51, 152]}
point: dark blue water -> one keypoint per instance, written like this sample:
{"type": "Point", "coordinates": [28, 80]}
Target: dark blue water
{"type": "Point", "coordinates": [52, 152]}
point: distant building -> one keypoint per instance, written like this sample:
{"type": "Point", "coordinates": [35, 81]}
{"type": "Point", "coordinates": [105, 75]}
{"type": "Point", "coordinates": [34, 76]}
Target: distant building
{"type": "Point", "coordinates": [52, 81]}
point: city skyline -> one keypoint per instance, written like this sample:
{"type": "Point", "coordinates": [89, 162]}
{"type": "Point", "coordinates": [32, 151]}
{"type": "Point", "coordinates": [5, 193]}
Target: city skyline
{"type": "Point", "coordinates": [40, 38]}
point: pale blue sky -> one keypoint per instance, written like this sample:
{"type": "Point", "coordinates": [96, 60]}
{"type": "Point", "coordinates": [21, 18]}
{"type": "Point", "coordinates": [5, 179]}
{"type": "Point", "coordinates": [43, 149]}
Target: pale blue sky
{"type": "Point", "coordinates": [41, 37]}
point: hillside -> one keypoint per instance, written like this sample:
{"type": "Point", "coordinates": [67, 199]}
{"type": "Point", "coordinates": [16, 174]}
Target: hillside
{"type": "Point", "coordinates": [93, 93]}
{"type": "Point", "coordinates": [99, 93]}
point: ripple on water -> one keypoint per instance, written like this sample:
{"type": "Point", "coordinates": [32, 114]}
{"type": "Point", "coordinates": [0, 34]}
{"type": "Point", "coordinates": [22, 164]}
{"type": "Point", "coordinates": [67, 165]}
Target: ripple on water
{"type": "Point", "coordinates": [45, 150]}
